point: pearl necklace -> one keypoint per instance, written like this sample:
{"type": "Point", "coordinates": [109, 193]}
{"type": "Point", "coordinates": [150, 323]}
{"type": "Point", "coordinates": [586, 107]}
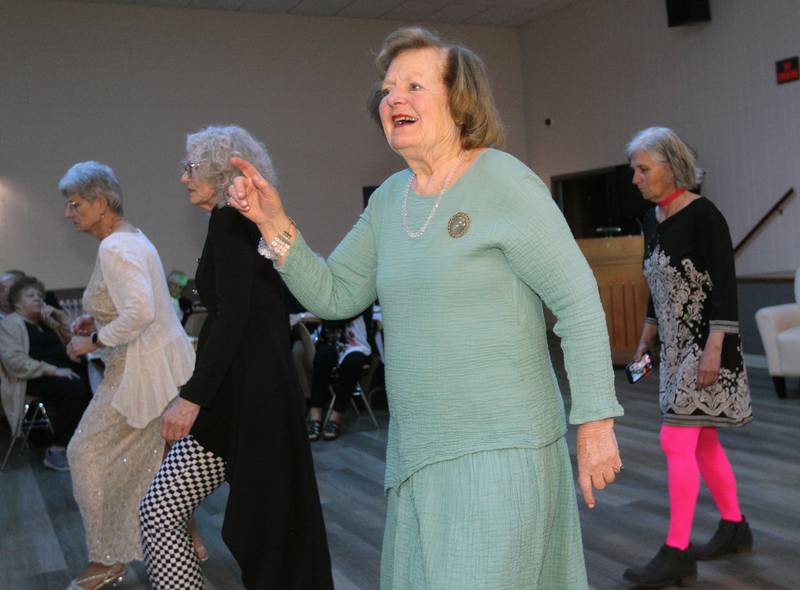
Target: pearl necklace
{"type": "Point", "coordinates": [414, 234]}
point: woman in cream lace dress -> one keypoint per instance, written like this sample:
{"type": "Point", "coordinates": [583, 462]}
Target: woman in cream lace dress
{"type": "Point", "coordinates": [117, 447]}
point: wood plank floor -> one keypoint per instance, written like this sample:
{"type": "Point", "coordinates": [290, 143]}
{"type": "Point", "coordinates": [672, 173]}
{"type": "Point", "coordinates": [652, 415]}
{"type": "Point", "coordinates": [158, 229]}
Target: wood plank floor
{"type": "Point", "coordinates": [41, 536]}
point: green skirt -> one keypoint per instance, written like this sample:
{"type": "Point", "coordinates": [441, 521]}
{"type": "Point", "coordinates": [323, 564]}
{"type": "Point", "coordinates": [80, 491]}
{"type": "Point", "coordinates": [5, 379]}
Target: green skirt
{"type": "Point", "coordinates": [491, 520]}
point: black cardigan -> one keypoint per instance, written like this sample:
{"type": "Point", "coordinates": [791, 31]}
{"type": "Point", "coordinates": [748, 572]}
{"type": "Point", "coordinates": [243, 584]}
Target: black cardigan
{"type": "Point", "coordinates": [252, 414]}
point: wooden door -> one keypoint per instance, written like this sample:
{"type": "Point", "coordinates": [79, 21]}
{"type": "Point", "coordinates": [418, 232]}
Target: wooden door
{"type": "Point", "coordinates": [617, 266]}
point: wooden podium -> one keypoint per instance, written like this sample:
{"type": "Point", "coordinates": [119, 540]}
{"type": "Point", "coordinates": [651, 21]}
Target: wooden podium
{"type": "Point", "coordinates": [617, 266]}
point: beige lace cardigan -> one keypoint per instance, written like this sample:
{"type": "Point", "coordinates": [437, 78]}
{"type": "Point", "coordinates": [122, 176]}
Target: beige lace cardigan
{"type": "Point", "coordinates": [17, 367]}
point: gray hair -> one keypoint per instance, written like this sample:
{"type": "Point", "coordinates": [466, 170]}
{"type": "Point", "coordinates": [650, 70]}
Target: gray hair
{"type": "Point", "coordinates": [664, 145]}
{"type": "Point", "coordinates": [211, 149]}
{"type": "Point", "coordinates": [90, 180]}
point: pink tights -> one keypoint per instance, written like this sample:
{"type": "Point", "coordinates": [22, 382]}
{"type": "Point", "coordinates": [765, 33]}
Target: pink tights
{"type": "Point", "coordinates": [691, 451]}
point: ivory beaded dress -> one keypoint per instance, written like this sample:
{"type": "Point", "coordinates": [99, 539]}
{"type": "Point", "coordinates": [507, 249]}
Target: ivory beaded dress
{"type": "Point", "coordinates": [117, 447]}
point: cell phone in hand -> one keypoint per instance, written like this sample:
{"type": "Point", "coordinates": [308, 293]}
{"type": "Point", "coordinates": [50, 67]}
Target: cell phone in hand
{"type": "Point", "coordinates": [641, 368]}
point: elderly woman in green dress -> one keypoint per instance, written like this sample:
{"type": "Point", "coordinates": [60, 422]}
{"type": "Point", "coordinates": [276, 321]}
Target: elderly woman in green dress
{"type": "Point", "coordinates": [465, 242]}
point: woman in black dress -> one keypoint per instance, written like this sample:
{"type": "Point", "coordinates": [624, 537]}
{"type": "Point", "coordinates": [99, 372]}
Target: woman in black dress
{"type": "Point", "coordinates": [240, 416]}
{"type": "Point", "coordinates": [690, 270]}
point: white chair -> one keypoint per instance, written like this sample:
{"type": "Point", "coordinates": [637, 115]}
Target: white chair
{"type": "Point", "coordinates": [779, 326]}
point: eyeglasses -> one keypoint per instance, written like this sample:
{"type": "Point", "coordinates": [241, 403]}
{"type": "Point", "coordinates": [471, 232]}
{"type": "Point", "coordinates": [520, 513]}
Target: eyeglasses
{"type": "Point", "coordinates": [189, 167]}
{"type": "Point", "coordinates": [73, 205]}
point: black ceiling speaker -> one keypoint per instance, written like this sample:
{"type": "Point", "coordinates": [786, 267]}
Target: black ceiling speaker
{"type": "Point", "coordinates": [686, 12]}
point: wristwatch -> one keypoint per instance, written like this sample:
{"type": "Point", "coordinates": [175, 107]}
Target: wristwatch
{"type": "Point", "coordinates": [94, 338]}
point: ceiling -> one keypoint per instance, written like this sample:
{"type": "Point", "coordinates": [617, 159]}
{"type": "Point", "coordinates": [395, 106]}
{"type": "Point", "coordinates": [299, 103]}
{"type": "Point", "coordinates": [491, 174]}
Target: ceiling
{"type": "Point", "coordinates": [513, 13]}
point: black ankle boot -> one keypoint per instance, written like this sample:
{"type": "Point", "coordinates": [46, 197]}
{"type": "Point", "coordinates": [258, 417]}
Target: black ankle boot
{"type": "Point", "coordinates": [669, 566]}
{"type": "Point", "coordinates": [731, 537]}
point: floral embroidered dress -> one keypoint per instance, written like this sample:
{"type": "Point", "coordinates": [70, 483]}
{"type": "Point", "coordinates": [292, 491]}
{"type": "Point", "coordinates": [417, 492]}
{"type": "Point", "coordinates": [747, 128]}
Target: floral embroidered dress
{"type": "Point", "coordinates": [689, 267]}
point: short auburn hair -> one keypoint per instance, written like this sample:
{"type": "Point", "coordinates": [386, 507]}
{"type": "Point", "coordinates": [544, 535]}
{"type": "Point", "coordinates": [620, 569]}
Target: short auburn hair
{"type": "Point", "coordinates": [472, 103]}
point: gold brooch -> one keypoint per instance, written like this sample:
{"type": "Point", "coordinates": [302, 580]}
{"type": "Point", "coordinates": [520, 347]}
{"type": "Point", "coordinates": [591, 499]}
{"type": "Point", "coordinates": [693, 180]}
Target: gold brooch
{"type": "Point", "coordinates": [458, 225]}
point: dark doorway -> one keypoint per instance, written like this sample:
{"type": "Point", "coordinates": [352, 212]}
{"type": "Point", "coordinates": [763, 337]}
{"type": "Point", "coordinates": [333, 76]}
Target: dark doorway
{"type": "Point", "coordinates": [366, 193]}
{"type": "Point", "coordinates": [602, 202]}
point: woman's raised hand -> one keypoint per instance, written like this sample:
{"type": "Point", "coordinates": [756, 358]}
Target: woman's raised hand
{"type": "Point", "coordinates": [254, 197]}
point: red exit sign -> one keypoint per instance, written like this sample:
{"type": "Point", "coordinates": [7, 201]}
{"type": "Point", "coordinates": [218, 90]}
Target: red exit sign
{"type": "Point", "coordinates": [787, 70]}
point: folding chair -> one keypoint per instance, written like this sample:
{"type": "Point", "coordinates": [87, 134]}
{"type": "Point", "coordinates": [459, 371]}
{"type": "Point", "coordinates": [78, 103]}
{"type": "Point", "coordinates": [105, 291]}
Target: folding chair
{"type": "Point", "coordinates": [38, 420]}
{"type": "Point", "coordinates": [363, 390]}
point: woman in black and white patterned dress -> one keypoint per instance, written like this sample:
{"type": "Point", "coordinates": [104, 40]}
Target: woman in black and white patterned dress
{"type": "Point", "coordinates": [690, 270]}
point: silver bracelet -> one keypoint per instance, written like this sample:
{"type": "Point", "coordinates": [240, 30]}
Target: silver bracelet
{"type": "Point", "coordinates": [265, 250]}
{"type": "Point", "coordinates": [278, 247]}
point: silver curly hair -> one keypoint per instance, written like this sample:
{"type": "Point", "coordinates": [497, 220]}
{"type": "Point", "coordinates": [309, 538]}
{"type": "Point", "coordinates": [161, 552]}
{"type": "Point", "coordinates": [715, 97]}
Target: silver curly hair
{"type": "Point", "coordinates": [664, 145]}
{"type": "Point", "coordinates": [211, 149]}
{"type": "Point", "coordinates": [90, 180]}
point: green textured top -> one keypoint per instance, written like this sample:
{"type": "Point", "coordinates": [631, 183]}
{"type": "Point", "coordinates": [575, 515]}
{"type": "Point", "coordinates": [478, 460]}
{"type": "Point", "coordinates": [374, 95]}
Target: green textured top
{"type": "Point", "coordinates": [467, 364]}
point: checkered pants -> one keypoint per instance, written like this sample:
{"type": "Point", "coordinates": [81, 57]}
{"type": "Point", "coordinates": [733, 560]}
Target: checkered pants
{"type": "Point", "coordinates": [186, 477]}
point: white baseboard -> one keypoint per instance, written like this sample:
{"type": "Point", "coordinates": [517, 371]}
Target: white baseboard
{"type": "Point", "coordinates": [755, 361]}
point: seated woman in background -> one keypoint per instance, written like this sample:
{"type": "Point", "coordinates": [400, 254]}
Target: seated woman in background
{"type": "Point", "coordinates": [344, 346]}
{"type": "Point", "coordinates": [34, 355]}
{"type": "Point", "coordinates": [177, 281]}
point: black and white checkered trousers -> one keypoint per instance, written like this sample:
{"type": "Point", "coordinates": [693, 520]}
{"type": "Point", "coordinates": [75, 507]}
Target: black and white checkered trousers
{"type": "Point", "coordinates": [186, 477]}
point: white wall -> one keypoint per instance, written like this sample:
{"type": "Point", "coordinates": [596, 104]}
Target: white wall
{"type": "Point", "coordinates": [603, 69]}
{"type": "Point", "coordinates": [124, 84]}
